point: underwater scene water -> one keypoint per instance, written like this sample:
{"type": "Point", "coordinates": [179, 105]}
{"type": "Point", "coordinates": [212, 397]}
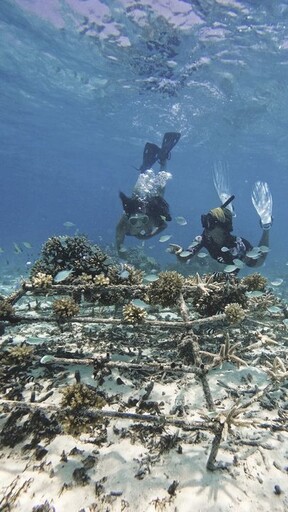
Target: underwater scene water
{"type": "Point", "coordinates": [85, 84]}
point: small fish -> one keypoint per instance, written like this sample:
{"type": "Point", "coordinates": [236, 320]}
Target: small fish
{"type": "Point", "coordinates": [254, 293]}
{"type": "Point", "coordinates": [140, 303]}
{"type": "Point", "coordinates": [47, 359]}
{"type": "Point", "coordinates": [165, 238]}
{"type": "Point", "coordinates": [230, 268]}
{"type": "Point", "coordinates": [27, 245]}
{"type": "Point", "coordinates": [194, 244]}
{"type": "Point", "coordinates": [224, 249]}
{"type": "Point", "coordinates": [184, 254]}
{"type": "Point", "coordinates": [124, 274]}
{"type": "Point", "coordinates": [122, 249]}
{"type": "Point", "coordinates": [181, 221]}
{"type": "Point", "coordinates": [264, 248]}
{"type": "Point", "coordinates": [1, 250]}
{"type": "Point", "coordinates": [163, 217]}
{"type": "Point", "coordinates": [62, 275]}
{"type": "Point", "coordinates": [238, 263]}
{"type": "Point", "coordinates": [69, 224]}
{"type": "Point", "coordinates": [202, 254]}
{"type": "Point", "coordinates": [274, 309]}
{"type": "Point", "coordinates": [150, 278]}
{"type": "Point", "coordinates": [277, 281]}
{"type": "Point", "coordinates": [33, 340]}
{"type": "Point", "coordinates": [17, 249]}
{"type": "Point", "coordinates": [254, 254]}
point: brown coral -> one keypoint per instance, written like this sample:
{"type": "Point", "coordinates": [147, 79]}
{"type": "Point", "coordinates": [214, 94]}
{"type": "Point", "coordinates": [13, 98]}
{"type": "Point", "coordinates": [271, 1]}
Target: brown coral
{"type": "Point", "coordinates": [42, 280]}
{"type": "Point", "coordinates": [234, 313]}
{"type": "Point", "coordinates": [65, 308]}
{"type": "Point", "coordinates": [6, 309]}
{"type": "Point", "coordinates": [166, 290]}
{"type": "Point", "coordinates": [133, 314]}
{"type": "Point", "coordinates": [254, 282]}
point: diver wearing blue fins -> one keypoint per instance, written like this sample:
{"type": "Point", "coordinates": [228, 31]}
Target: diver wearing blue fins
{"type": "Point", "coordinates": [217, 226]}
{"type": "Point", "coordinates": [146, 212]}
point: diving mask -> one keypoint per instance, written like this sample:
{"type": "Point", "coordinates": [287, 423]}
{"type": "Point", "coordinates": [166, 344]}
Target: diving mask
{"type": "Point", "coordinates": [138, 220]}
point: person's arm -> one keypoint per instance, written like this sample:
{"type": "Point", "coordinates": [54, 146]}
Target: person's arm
{"type": "Point", "coordinates": [154, 232]}
{"type": "Point", "coordinates": [121, 230]}
{"type": "Point", "coordinates": [193, 250]}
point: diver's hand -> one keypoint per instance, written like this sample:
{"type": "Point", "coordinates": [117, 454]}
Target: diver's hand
{"type": "Point", "coordinates": [262, 202]}
{"type": "Point", "coordinates": [175, 249]}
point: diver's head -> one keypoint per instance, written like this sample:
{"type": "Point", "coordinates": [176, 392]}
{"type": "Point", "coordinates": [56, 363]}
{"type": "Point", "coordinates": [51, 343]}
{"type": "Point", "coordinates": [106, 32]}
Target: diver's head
{"type": "Point", "coordinates": [137, 222]}
{"type": "Point", "coordinates": [218, 217]}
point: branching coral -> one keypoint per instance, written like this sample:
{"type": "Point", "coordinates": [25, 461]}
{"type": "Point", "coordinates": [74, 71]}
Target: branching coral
{"type": "Point", "coordinates": [124, 274]}
{"type": "Point", "coordinates": [216, 293]}
{"type": "Point", "coordinates": [133, 314]}
{"type": "Point", "coordinates": [277, 370]}
{"type": "Point", "coordinates": [73, 252]}
{"type": "Point", "coordinates": [18, 355]}
{"type": "Point", "coordinates": [166, 290]}
{"type": "Point", "coordinates": [65, 308]}
{"type": "Point", "coordinates": [6, 309]}
{"type": "Point", "coordinates": [226, 353]}
{"type": "Point", "coordinates": [254, 282]}
{"type": "Point", "coordinates": [80, 395]}
{"type": "Point", "coordinates": [234, 313]}
{"type": "Point", "coordinates": [41, 280]}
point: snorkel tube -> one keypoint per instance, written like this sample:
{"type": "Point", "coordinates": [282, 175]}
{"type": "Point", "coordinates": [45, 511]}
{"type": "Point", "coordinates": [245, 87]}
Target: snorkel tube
{"type": "Point", "coordinates": [229, 200]}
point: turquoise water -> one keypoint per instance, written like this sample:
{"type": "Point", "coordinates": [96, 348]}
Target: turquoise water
{"type": "Point", "coordinates": [84, 85]}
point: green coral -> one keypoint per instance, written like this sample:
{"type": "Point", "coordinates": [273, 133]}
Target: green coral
{"type": "Point", "coordinates": [133, 314]}
{"type": "Point", "coordinates": [65, 308]}
{"type": "Point", "coordinates": [80, 395]}
{"type": "Point", "coordinates": [254, 282]}
{"type": "Point", "coordinates": [166, 290]}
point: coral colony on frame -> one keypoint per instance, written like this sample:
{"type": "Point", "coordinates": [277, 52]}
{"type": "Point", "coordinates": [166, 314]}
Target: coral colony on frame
{"type": "Point", "coordinates": [88, 347]}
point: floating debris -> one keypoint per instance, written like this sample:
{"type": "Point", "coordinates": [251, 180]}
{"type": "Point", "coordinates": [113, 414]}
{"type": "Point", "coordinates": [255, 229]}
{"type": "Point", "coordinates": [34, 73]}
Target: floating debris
{"type": "Point", "coordinates": [277, 282]}
{"type": "Point", "coordinates": [62, 275]}
{"type": "Point", "coordinates": [230, 268]}
{"type": "Point", "coordinates": [181, 221]}
{"type": "Point", "coordinates": [238, 263]}
{"type": "Point", "coordinates": [165, 238]}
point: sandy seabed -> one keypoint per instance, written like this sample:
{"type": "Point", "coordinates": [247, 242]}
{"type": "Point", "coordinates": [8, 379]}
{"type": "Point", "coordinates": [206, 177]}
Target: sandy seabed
{"type": "Point", "coordinates": [55, 457]}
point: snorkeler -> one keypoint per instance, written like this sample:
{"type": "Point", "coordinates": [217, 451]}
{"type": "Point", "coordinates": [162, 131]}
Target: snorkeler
{"type": "Point", "coordinates": [221, 244]}
{"type": "Point", "coordinates": [146, 212]}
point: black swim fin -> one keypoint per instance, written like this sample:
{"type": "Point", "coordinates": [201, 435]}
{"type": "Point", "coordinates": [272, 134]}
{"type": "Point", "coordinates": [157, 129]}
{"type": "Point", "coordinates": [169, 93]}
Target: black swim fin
{"type": "Point", "coordinates": [150, 156]}
{"type": "Point", "coordinates": [170, 140]}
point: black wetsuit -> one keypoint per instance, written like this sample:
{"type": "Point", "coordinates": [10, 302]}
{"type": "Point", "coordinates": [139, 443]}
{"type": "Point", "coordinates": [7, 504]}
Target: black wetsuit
{"type": "Point", "coordinates": [237, 247]}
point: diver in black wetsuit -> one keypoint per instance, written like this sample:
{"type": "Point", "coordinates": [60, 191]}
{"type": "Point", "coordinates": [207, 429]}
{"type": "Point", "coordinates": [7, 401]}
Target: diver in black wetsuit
{"type": "Point", "coordinates": [218, 240]}
{"type": "Point", "coordinates": [146, 212]}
